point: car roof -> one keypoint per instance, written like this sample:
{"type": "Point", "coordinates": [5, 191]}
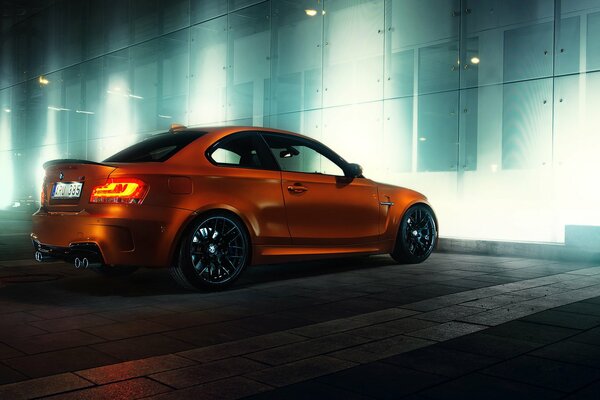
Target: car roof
{"type": "Point", "coordinates": [220, 131]}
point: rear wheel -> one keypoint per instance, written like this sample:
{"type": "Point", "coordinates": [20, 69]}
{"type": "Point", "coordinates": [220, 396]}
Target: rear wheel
{"type": "Point", "coordinates": [417, 236]}
{"type": "Point", "coordinates": [213, 252]}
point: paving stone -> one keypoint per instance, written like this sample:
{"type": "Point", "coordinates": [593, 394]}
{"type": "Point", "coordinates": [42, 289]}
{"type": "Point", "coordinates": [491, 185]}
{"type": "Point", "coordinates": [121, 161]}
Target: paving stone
{"type": "Point", "coordinates": [377, 350]}
{"type": "Point", "coordinates": [8, 352]}
{"type": "Point", "coordinates": [296, 351]}
{"type": "Point", "coordinates": [591, 336]}
{"type": "Point", "coordinates": [124, 330]}
{"type": "Point", "coordinates": [56, 362]}
{"type": "Point", "coordinates": [532, 332]}
{"type": "Point", "coordinates": [588, 393]}
{"type": "Point", "coordinates": [69, 323]}
{"type": "Point", "coordinates": [142, 347]}
{"type": "Point", "coordinates": [480, 386]}
{"type": "Point", "coordinates": [54, 341]}
{"type": "Point", "coordinates": [564, 319]}
{"type": "Point", "coordinates": [571, 352]}
{"type": "Point", "coordinates": [241, 347]}
{"type": "Point", "coordinates": [40, 387]}
{"type": "Point", "coordinates": [449, 313]}
{"type": "Point", "coordinates": [382, 381]}
{"type": "Point", "coordinates": [225, 389]}
{"type": "Point", "coordinates": [544, 372]}
{"type": "Point", "coordinates": [195, 375]}
{"type": "Point", "coordinates": [8, 332]}
{"type": "Point", "coordinates": [298, 371]}
{"type": "Point", "coordinates": [310, 389]}
{"type": "Point", "coordinates": [131, 389]}
{"type": "Point", "coordinates": [9, 375]}
{"type": "Point", "coordinates": [209, 335]}
{"type": "Point", "coordinates": [490, 345]}
{"type": "Point", "coordinates": [441, 361]}
{"type": "Point", "coordinates": [446, 331]}
{"type": "Point", "coordinates": [392, 328]}
{"type": "Point", "coordinates": [581, 308]}
{"type": "Point", "coordinates": [134, 369]}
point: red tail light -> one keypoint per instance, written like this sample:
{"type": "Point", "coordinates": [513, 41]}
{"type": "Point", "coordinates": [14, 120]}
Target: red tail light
{"type": "Point", "coordinates": [120, 190]}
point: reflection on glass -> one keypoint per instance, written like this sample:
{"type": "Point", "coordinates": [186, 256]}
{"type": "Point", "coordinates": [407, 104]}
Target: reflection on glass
{"type": "Point", "coordinates": [437, 146]}
{"type": "Point", "coordinates": [297, 56]}
{"type": "Point", "coordinates": [248, 77]}
{"type": "Point", "coordinates": [353, 53]}
{"type": "Point", "coordinates": [527, 124]}
{"type": "Point", "coordinates": [208, 72]}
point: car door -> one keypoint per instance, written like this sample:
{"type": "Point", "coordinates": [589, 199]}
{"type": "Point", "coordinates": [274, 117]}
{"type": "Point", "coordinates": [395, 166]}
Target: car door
{"type": "Point", "coordinates": [323, 207]}
{"type": "Point", "coordinates": [249, 181]}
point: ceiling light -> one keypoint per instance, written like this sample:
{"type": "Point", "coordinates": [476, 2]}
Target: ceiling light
{"type": "Point", "coordinates": [7, 110]}
{"type": "Point", "coordinates": [43, 81]}
{"type": "Point", "coordinates": [475, 60]}
{"type": "Point", "coordinates": [310, 12]}
{"type": "Point", "coordinates": [422, 139]}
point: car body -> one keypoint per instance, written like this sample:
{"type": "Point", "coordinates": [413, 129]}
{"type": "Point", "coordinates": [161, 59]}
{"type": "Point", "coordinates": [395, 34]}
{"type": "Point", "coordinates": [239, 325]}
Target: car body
{"type": "Point", "coordinates": [170, 199]}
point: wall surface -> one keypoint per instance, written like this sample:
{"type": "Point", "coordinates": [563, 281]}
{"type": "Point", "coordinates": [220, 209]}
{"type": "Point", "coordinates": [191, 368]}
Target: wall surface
{"type": "Point", "coordinates": [489, 107]}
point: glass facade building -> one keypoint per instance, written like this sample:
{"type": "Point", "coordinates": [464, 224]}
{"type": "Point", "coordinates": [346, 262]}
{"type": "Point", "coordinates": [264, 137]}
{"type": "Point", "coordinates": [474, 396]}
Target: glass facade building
{"type": "Point", "coordinates": [489, 107]}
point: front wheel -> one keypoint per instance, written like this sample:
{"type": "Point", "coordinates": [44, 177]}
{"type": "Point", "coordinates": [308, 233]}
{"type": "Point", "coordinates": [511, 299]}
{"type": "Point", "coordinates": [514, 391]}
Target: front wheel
{"type": "Point", "coordinates": [213, 253]}
{"type": "Point", "coordinates": [417, 236]}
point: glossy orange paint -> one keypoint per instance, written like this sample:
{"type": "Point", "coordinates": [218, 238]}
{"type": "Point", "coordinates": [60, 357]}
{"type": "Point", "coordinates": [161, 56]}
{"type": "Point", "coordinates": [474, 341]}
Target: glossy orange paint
{"type": "Point", "coordinates": [288, 215]}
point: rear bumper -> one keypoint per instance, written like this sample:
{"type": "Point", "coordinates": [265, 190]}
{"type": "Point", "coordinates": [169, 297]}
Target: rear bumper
{"type": "Point", "coordinates": [121, 235]}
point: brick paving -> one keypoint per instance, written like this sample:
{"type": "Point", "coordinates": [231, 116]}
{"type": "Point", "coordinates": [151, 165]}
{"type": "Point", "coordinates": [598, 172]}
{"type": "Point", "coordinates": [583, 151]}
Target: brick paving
{"type": "Point", "coordinates": [458, 325]}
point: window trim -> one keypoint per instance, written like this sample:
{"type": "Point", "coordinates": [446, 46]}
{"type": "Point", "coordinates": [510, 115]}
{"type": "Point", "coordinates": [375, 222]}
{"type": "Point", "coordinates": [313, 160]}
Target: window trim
{"type": "Point", "coordinates": [314, 145]}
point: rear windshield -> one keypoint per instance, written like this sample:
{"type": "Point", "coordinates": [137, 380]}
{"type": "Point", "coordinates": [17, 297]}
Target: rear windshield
{"type": "Point", "coordinates": [155, 149]}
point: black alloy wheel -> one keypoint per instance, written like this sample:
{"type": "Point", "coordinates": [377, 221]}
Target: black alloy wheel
{"type": "Point", "coordinates": [417, 236]}
{"type": "Point", "coordinates": [213, 254]}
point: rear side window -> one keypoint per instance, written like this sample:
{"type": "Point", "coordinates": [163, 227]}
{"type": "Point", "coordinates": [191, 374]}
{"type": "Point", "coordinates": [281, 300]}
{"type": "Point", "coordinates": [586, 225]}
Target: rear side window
{"type": "Point", "coordinates": [244, 150]}
{"type": "Point", "coordinates": [156, 148]}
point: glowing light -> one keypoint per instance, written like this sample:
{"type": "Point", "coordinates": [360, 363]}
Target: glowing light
{"type": "Point", "coordinates": [422, 139]}
{"type": "Point", "coordinates": [310, 12]}
{"type": "Point", "coordinates": [84, 112]}
{"type": "Point", "coordinates": [58, 108]}
{"type": "Point", "coordinates": [475, 60]}
{"type": "Point", "coordinates": [164, 116]}
{"type": "Point", "coordinates": [43, 81]}
{"type": "Point", "coordinates": [7, 110]}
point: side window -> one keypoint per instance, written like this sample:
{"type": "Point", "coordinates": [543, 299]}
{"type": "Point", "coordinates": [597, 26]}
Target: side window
{"type": "Point", "coordinates": [297, 155]}
{"type": "Point", "coordinates": [245, 150]}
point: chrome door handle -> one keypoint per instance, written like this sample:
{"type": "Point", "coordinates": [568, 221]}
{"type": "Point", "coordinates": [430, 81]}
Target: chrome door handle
{"type": "Point", "coordinates": [297, 189]}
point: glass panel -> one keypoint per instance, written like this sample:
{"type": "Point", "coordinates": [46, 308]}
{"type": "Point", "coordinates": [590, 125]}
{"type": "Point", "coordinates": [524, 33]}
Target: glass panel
{"type": "Point", "coordinates": [567, 46]}
{"type": "Point", "coordinates": [296, 65]}
{"type": "Point", "coordinates": [208, 72]}
{"type": "Point", "coordinates": [592, 42]}
{"type": "Point", "coordinates": [175, 15]}
{"type": "Point", "coordinates": [307, 123]}
{"type": "Point", "coordinates": [249, 64]}
{"type": "Point", "coordinates": [577, 140]}
{"type": "Point", "coordinates": [202, 10]}
{"type": "Point", "coordinates": [356, 133]}
{"type": "Point", "coordinates": [468, 125]}
{"type": "Point", "coordinates": [353, 53]}
{"type": "Point", "coordinates": [527, 124]}
{"type": "Point", "coordinates": [398, 135]}
{"type": "Point", "coordinates": [436, 46]}
{"type": "Point", "coordinates": [528, 52]}
{"type": "Point", "coordinates": [437, 135]}
{"type": "Point", "coordinates": [237, 4]}
{"type": "Point", "coordinates": [511, 39]}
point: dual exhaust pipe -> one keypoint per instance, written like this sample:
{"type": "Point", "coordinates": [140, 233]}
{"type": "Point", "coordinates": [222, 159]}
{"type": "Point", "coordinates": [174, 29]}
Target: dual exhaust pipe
{"type": "Point", "coordinates": [80, 261]}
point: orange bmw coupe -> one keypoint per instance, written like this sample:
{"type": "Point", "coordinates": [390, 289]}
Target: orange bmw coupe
{"type": "Point", "coordinates": [208, 202]}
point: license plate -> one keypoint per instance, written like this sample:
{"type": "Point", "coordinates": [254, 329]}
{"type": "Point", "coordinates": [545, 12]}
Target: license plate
{"type": "Point", "coordinates": [66, 190]}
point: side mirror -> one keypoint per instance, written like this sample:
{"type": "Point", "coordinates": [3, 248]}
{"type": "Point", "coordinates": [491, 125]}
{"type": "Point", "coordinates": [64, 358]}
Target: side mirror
{"type": "Point", "coordinates": [354, 171]}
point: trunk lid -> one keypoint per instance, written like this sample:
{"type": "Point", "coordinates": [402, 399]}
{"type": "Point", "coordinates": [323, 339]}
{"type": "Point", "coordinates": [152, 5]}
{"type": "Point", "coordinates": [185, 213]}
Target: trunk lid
{"type": "Point", "coordinates": [68, 183]}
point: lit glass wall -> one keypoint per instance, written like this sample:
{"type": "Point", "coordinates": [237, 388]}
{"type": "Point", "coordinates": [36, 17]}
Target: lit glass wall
{"type": "Point", "coordinates": [489, 107]}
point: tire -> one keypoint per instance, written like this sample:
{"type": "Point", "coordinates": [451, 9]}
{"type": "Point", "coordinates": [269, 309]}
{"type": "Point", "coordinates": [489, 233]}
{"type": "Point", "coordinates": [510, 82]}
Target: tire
{"type": "Point", "coordinates": [213, 252]}
{"type": "Point", "coordinates": [113, 272]}
{"type": "Point", "coordinates": [417, 236]}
